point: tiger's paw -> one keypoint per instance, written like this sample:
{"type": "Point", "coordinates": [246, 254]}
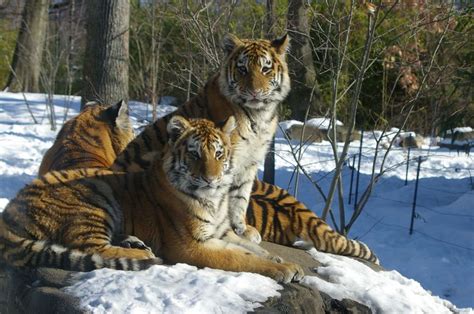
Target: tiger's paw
{"type": "Point", "coordinates": [252, 234]}
{"type": "Point", "coordinates": [147, 263]}
{"type": "Point", "coordinates": [287, 272]}
{"type": "Point", "coordinates": [239, 228]}
{"type": "Point", "coordinates": [132, 242]}
{"type": "Point", "coordinates": [276, 259]}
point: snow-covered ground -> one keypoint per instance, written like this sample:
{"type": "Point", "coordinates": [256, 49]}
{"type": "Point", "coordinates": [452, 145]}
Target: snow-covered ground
{"type": "Point", "coordinates": [439, 254]}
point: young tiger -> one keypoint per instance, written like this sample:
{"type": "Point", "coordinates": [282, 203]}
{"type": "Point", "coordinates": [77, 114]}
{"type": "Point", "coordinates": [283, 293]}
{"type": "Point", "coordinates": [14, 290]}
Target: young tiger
{"type": "Point", "coordinates": [93, 139]}
{"type": "Point", "coordinates": [281, 218]}
{"type": "Point", "coordinates": [251, 83]}
{"type": "Point", "coordinates": [175, 207]}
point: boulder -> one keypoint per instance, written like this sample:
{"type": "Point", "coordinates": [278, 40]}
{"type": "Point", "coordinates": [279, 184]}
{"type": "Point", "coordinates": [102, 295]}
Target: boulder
{"type": "Point", "coordinates": [307, 133]}
{"type": "Point", "coordinates": [411, 141]}
{"type": "Point", "coordinates": [38, 291]}
{"type": "Point", "coordinates": [296, 298]}
{"type": "Point", "coordinates": [313, 134]}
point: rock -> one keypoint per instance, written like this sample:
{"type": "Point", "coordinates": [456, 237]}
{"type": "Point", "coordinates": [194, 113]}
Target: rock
{"type": "Point", "coordinates": [411, 141]}
{"type": "Point", "coordinates": [343, 306]}
{"type": "Point", "coordinates": [50, 300]}
{"type": "Point", "coordinates": [311, 134]}
{"type": "Point", "coordinates": [296, 298]}
{"type": "Point", "coordinates": [36, 291]}
{"type": "Point", "coordinates": [315, 134]}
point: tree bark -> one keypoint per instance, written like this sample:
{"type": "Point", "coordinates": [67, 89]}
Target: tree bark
{"type": "Point", "coordinates": [269, 164]}
{"type": "Point", "coordinates": [304, 90]}
{"type": "Point", "coordinates": [105, 73]}
{"type": "Point", "coordinates": [26, 62]}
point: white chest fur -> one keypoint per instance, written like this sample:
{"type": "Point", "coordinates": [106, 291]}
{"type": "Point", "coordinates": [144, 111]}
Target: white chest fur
{"type": "Point", "coordinates": [250, 151]}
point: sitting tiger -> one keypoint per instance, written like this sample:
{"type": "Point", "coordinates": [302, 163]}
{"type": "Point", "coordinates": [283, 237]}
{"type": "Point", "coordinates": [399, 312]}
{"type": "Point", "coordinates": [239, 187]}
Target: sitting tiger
{"type": "Point", "coordinates": [93, 139]}
{"type": "Point", "coordinates": [276, 214]}
{"type": "Point", "coordinates": [251, 83]}
{"type": "Point", "coordinates": [65, 221]}
{"type": "Point", "coordinates": [250, 86]}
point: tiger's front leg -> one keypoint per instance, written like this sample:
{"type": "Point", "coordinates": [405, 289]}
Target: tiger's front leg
{"type": "Point", "coordinates": [239, 195]}
{"type": "Point", "coordinates": [231, 237]}
{"type": "Point", "coordinates": [130, 242]}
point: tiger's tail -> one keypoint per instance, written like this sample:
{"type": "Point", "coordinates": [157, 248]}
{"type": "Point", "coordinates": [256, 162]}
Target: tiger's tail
{"type": "Point", "coordinates": [325, 239]}
{"type": "Point", "coordinates": [22, 252]}
{"type": "Point", "coordinates": [281, 218]}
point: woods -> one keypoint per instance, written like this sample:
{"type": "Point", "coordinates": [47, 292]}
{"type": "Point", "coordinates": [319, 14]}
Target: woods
{"type": "Point", "coordinates": [162, 48]}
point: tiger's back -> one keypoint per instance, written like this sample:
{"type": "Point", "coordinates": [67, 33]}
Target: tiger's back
{"type": "Point", "coordinates": [68, 219]}
{"type": "Point", "coordinates": [93, 139]}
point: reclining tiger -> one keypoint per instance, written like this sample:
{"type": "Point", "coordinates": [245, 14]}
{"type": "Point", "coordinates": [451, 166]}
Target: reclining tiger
{"type": "Point", "coordinates": [277, 215]}
{"type": "Point", "coordinates": [65, 221]}
{"type": "Point", "coordinates": [251, 83]}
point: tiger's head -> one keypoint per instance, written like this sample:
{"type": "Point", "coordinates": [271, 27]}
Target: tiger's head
{"type": "Point", "coordinates": [112, 120]}
{"type": "Point", "coordinates": [198, 160]}
{"type": "Point", "coordinates": [255, 73]}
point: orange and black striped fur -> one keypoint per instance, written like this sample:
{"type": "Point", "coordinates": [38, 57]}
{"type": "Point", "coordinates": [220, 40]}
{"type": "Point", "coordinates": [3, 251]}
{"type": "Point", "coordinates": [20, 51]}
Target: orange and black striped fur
{"type": "Point", "coordinates": [93, 139]}
{"type": "Point", "coordinates": [249, 86]}
{"type": "Point", "coordinates": [64, 221]}
{"type": "Point", "coordinates": [281, 218]}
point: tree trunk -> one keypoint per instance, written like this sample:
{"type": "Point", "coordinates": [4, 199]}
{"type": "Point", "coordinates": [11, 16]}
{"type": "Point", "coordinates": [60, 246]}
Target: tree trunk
{"type": "Point", "coordinates": [300, 62]}
{"type": "Point", "coordinates": [105, 73]}
{"type": "Point", "coordinates": [269, 164]}
{"type": "Point", "coordinates": [26, 62]}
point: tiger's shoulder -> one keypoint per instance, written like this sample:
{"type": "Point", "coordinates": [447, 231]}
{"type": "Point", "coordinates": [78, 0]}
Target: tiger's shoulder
{"type": "Point", "coordinates": [94, 138]}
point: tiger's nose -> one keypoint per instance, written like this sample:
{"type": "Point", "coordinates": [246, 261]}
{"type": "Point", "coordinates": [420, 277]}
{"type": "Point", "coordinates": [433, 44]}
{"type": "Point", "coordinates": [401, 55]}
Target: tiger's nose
{"type": "Point", "coordinates": [209, 179]}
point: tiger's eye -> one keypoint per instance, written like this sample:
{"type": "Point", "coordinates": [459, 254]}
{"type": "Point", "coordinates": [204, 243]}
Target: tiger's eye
{"type": "Point", "coordinates": [194, 155]}
{"type": "Point", "coordinates": [242, 69]}
{"type": "Point", "coordinates": [219, 154]}
{"type": "Point", "coordinates": [265, 70]}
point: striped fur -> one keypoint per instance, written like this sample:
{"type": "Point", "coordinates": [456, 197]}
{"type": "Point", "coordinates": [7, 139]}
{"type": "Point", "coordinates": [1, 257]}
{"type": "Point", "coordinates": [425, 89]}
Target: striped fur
{"type": "Point", "coordinates": [68, 221]}
{"type": "Point", "coordinates": [250, 85]}
{"type": "Point", "coordinates": [280, 218]}
{"type": "Point", "coordinates": [90, 140]}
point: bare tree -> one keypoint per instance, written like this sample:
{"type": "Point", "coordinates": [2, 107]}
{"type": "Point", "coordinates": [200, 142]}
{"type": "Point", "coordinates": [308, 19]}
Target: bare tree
{"type": "Point", "coordinates": [105, 72]}
{"type": "Point", "coordinates": [269, 165]}
{"type": "Point", "coordinates": [300, 61]}
{"type": "Point", "coordinates": [26, 62]}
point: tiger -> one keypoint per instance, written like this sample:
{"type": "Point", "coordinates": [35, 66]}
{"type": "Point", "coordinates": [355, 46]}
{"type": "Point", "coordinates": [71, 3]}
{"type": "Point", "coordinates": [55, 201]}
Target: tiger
{"type": "Point", "coordinates": [67, 221]}
{"type": "Point", "coordinates": [92, 139]}
{"type": "Point", "coordinates": [250, 85]}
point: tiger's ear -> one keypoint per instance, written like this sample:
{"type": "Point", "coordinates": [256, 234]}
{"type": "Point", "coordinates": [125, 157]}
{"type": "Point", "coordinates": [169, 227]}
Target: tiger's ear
{"type": "Point", "coordinates": [228, 125]}
{"type": "Point", "coordinates": [119, 115]}
{"type": "Point", "coordinates": [282, 44]}
{"type": "Point", "coordinates": [230, 42]}
{"type": "Point", "coordinates": [176, 127]}
{"type": "Point", "coordinates": [123, 115]}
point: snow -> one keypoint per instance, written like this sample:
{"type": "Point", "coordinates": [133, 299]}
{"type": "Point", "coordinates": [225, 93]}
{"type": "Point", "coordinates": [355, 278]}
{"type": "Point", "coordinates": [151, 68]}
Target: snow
{"type": "Point", "coordinates": [383, 292]}
{"type": "Point", "coordinates": [172, 289]}
{"type": "Point", "coordinates": [465, 129]}
{"type": "Point", "coordinates": [322, 123]}
{"type": "Point", "coordinates": [438, 256]}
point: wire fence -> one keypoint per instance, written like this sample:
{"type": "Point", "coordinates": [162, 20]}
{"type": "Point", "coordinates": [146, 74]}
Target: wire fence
{"type": "Point", "coordinates": [412, 165]}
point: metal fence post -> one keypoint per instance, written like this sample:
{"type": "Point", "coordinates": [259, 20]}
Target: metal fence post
{"type": "Point", "coordinates": [408, 166]}
{"type": "Point", "coordinates": [352, 177]}
{"type": "Point", "coordinates": [416, 194]}
{"type": "Point", "coordinates": [358, 169]}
